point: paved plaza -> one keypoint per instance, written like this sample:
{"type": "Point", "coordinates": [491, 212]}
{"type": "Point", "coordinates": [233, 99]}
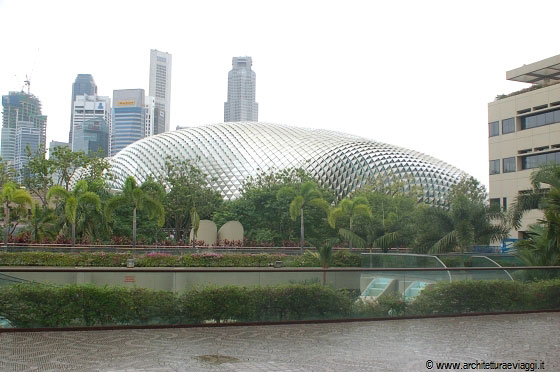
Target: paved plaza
{"type": "Point", "coordinates": [387, 346]}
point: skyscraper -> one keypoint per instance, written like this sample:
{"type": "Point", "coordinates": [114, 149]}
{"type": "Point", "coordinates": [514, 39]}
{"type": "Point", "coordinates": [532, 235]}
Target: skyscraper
{"type": "Point", "coordinates": [128, 121]}
{"type": "Point", "coordinates": [83, 84]}
{"type": "Point", "coordinates": [20, 109]}
{"type": "Point", "coordinates": [92, 120]}
{"type": "Point", "coordinates": [160, 84]}
{"type": "Point", "coordinates": [155, 119]}
{"type": "Point", "coordinates": [241, 105]}
{"type": "Point", "coordinates": [28, 136]}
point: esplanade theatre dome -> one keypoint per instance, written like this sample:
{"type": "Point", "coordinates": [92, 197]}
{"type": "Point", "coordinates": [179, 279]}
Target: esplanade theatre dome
{"type": "Point", "coordinates": [231, 152]}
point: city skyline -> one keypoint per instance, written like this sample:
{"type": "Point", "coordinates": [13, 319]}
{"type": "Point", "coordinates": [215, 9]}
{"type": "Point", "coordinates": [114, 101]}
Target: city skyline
{"type": "Point", "coordinates": [413, 75]}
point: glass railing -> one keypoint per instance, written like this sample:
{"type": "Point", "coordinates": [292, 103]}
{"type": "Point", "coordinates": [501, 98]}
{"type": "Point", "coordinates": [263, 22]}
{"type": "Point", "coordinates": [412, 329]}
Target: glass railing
{"type": "Point", "coordinates": [40, 297]}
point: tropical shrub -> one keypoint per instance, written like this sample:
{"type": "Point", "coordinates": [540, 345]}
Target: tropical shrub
{"type": "Point", "coordinates": [34, 305]}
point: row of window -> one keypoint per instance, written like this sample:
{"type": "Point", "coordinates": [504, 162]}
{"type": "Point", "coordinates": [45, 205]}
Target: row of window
{"type": "Point", "coordinates": [527, 162]}
{"type": "Point", "coordinates": [539, 120]}
{"type": "Point", "coordinates": [527, 122]}
{"type": "Point", "coordinates": [508, 126]}
{"type": "Point", "coordinates": [535, 161]}
{"type": "Point", "coordinates": [508, 165]}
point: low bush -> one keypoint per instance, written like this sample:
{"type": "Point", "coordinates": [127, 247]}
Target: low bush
{"type": "Point", "coordinates": [41, 305]}
{"type": "Point", "coordinates": [473, 296]}
{"type": "Point", "coordinates": [207, 259]}
{"type": "Point", "coordinates": [34, 305]}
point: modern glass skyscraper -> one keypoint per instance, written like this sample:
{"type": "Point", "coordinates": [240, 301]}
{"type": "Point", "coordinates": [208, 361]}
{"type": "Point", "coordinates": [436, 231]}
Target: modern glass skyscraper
{"type": "Point", "coordinates": [83, 84]}
{"type": "Point", "coordinates": [241, 105]}
{"type": "Point", "coordinates": [92, 120]}
{"type": "Point", "coordinates": [128, 121]}
{"type": "Point", "coordinates": [160, 85]}
{"type": "Point", "coordinates": [20, 107]}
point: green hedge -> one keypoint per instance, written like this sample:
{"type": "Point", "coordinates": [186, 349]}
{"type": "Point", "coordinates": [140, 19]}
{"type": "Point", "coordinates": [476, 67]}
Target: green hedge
{"type": "Point", "coordinates": [101, 259]}
{"type": "Point", "coordinates": [33, 305]}
{"type": "Point", "coordinates": [469, 296]}
{"type": "Point", "coordinates": [39, 305]}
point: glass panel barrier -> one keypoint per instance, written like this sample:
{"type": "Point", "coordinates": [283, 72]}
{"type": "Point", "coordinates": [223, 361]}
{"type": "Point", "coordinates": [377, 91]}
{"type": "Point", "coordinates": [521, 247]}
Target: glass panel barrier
{"type": "Point", "coordinates": [89, 297]}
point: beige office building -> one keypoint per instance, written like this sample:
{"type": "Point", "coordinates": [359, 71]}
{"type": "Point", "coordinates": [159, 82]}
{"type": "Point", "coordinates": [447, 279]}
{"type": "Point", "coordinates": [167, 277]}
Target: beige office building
{"type": "Point", "coordinates": [524, 133]}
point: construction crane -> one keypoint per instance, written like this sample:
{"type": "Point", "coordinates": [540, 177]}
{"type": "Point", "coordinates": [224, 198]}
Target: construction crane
{"type": "Point", "coordinates": [27, 82]}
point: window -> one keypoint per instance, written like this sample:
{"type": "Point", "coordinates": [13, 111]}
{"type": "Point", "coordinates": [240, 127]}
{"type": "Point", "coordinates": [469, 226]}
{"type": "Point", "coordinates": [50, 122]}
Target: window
{"type": "Point", "coordinates": [495, 204]}
{"type": "Point", "coordinates": [535, 161]}
{"type": "Point", "coordinates": [504, 204]}
{"type": "Point", "coordinates": [495, 166]}
{"type": "Point", "coordinates": [508, 125]}
{"type": "Point", "coordinates": [539, 120]}
{"type": "Point", "coordinates": [509, 165]}
{"type": "Point", "coordinates": [494, 129]}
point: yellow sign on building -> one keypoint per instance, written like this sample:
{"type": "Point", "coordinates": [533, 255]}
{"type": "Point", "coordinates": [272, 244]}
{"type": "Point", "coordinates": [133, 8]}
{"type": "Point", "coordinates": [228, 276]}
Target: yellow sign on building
{"type": "Point", "coordinates": [129, 102]}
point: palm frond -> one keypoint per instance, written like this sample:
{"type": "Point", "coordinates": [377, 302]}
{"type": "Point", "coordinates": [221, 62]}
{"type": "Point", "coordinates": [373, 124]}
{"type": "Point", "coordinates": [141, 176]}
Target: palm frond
{"type": "Point", "coordinates": [319, 203]}
{"type": "Point", "coordinates": [295, 207]}
{"type": "Point", "coordinates": [307, 188]}
{"type": "Point", "coordinates": [445, 244]}
{"type": "Point", "coordinates": [57, 192]}
{"type": "Point", "coordinates": [362, 210]}
{"type": "Point", "coordinates": [90, 198]}
{"type": "Point", "coordinates": [112, 205]}
{"type": "Point", "coordinates": [386, 240]}
{"type": "Point", "coordinates": [356, 240]}
{"type": "Point", "coordinates": [333, 216]}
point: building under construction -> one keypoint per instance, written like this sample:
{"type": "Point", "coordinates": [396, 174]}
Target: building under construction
{"type": "Point", "coordinates": [21, 110]}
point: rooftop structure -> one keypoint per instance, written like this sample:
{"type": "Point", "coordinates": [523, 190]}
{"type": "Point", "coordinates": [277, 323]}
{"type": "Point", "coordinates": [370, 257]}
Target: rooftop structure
{"type": "Point", "coordinates": [541, 72]}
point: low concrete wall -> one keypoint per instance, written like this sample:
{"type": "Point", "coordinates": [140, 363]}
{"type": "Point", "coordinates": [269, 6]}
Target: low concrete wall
{"type": "Point", "coordinates": [181, 281]}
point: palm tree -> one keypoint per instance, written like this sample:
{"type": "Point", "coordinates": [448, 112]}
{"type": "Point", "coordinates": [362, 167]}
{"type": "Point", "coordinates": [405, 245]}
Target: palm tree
{"type": "Point", "coordinates": [12, 195]}
{"type": "Point", "coordinates": [195, 221]}
{"type": "Point", "coordinates": [358, 207]}
{"type": "Point", "coordinates": [545, 178]}
{"type": "Point", "coordinates": [469, 222]}
{"type": "Point", "coordinates": [307, 195]}
{"type": "Point", "coordinates": [42, 222]}
{"type": "Point", "coordinates": [324, 254]}
{"type": "Point", "coordinates": [133, 196]}
{"type": "Point", "coordinates": [538, 249]}
{"type": "Point", "coordinates": [72, 200]}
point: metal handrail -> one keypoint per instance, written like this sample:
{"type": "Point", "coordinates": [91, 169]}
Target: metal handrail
{"type": "Point", "coordinates": [258, 269]}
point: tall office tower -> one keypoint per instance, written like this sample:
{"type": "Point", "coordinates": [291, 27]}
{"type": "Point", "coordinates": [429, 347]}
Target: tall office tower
{"type": "Point", "coordinates": [91, 123]}
{"type": "Point", "coordinates": [128, 121]}
{"type": "Point", "coordinates": [28, 136]}
{"type": "Point", "coordinates": [20, 107]}
{"type": "Point", "coordinates": [83, 84]}
{"type": "Point", "coordinates": [241, 105]}
{"type": "Point", "coordinates": [160, 84]}
{"type": "Point", "coordinates": [54, 144]}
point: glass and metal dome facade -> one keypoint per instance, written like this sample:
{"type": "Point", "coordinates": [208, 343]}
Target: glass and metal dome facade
{"type": "Point", "coordinates": [231, 152]}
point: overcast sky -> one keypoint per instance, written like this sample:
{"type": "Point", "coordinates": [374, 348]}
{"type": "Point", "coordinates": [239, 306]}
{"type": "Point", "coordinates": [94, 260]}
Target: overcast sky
{"type": "Point", "coordinates": [417, 74]}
